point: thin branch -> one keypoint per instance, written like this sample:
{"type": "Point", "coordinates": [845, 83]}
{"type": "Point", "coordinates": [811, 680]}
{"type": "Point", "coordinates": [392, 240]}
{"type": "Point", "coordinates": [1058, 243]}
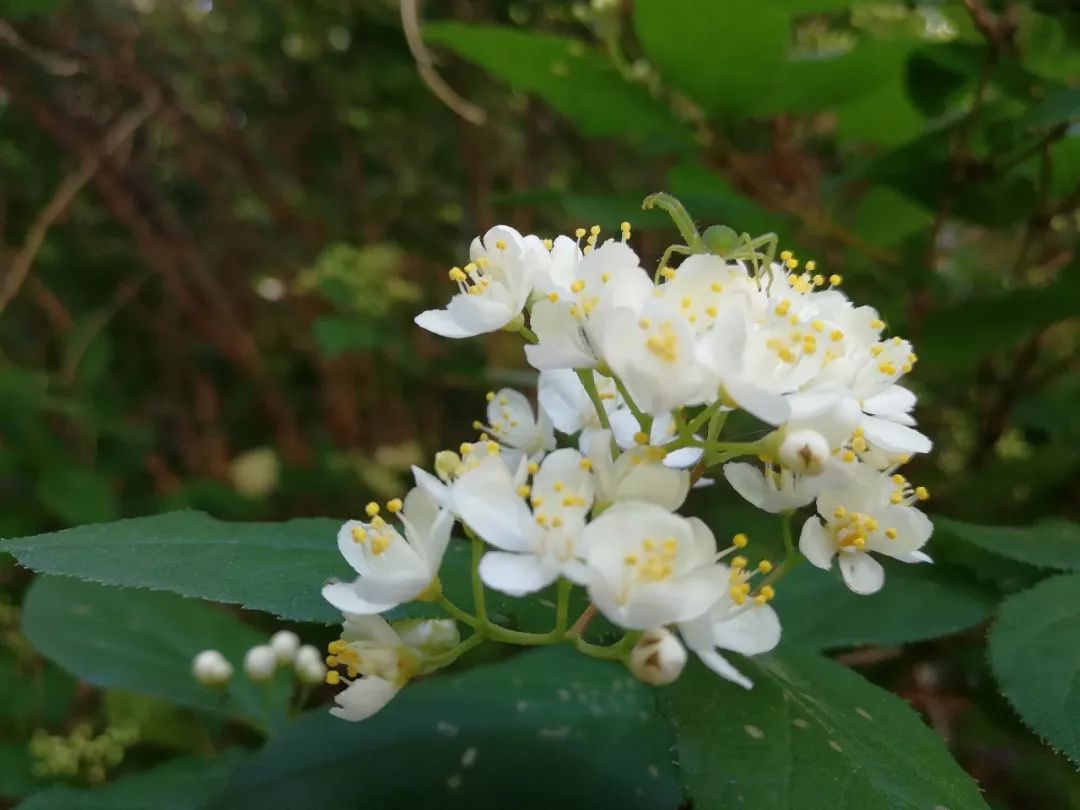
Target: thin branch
{"type": "Point", "coordinates": [65, 195]}
{"type": "Point", "coordinates": [425, 66]}
{"type": "Point", "coordinates": [52, 63]}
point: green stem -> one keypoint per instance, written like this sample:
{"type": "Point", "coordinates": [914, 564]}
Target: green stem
{"type": "Point", "coordinates": [458, 613]}
{"type": "Point", "coordinates": [479, 605]}
{"type": "Point", "coordinates": [528, 334]}
{"type": "Point", "coordinates": [615, 652]}
{"type": "Point", "coordinates": [644, 420]}
{"type": "Point", "coordinates": [450, 656]}
{"type": "Point", "coordinates": [588, 381]}
{"type": "Point", "coordinates": [716, 424]}
{"type": "Point", "coordinates": [699, 420]}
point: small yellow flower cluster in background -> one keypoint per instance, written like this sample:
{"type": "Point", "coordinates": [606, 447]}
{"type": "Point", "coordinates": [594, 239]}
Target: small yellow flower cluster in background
{"type": "Point", "coordinates": [80, 756]}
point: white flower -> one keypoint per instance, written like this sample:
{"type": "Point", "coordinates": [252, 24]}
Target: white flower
{"type": "Point", "coordinates": [737, 622]}
{"type": "Point", "coordinates": [494, 285]}
{"type": "Point", "coordinates": [393, 569]}
{"type": "Point", "coordinates": [645, 567]}
{"type": "Point", "coordinates": [512, 422]}
{"type": "Point", "coordinates": [211, 668]}
{"type": "Point", "coordinates": [370, 647]}
{"type": "Point", "coordinates": [564, 399]}
{"type": "Point", "coordinates": [872, 514]}
{"type": "Point", "coordinates": [773, 489]}
{"type": "Point", "coordinates": [651, 349]}
{"type": "Point", "coordinates": [260, 662]}
{"type": "Point", "coordinates": [535, 546]}
{"type": "Point", "coordinates": [625, 428]}
{"type": "Point", "coordinates": [565, 322]}
{"type": "Point", "coordinates": [285, 643]}
{"type": "Point", "coordinates": [658, 657]}
{"type": "Point", "coordinates": [637, 474]}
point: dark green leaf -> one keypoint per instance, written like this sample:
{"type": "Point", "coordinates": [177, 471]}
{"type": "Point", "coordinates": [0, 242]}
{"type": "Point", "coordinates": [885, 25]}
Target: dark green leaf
{"type": "Point", "coordinates": [1035, 655]}
{"type": "Point", "coordinates": [144, 641]}
{"type": "Point", "coordinates": [726, 56]}
{"type": "Point", "coordinates": [810, 734]}
{"type": "Point", "coordinates": [76, 496]}
{"type": "Point", "coordinates": [277, 567]}
{"type": "Point", "coordinates": [182, 784]}
{"type": "Point", "coordinates": [578, 83]}
{"type": "Point", "coordinates": [16, 777]}
{"type": "Point", "coordinates": [918, 602]}
{"type": "Point", "coordinates": [1058, 106]}
{"type": "Point", "coordinates": [1049, 544]}
{"type": "Point", "coordinates": [547, 728]}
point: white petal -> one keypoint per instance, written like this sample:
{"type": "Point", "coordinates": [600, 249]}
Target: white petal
{"type": "Point", "coordinates": [478, 314]}
{"type": "Point", "coordinates": [894, 401]}
{"type": "Point", "coordinates": [748, 481]}
{"type": "Point", "coordinates": [894, 438]}
{"type": "Point", "coordinates": [441, 322]}
{"type": "Point", "coordinates": [343, 596]}
{"type": "Point", "coordinates": [433, 486]}
{"type": "Point", "coordinates": [753, 631]}
{"type": "Point", "coordinates": [651, 481]}
{"type": "Point", "coordinates": [516, 574]}
{"type": "Point", "coordinates": [816, 544]}
{"type": "Point", "coordinates": [862, 573]}
{"type": "Point", "coordinates": [487, 501]}
{"type": "Point", "coordinates": [915, 557]}
{"type": "Point", "coordinates": [363, 698]}
{"type": "Point", "coordinates": [563, 399]}
{"type": "Point", "coordinates": [766, 406]}
{"type": "Point", "coordinates": [720, 665]}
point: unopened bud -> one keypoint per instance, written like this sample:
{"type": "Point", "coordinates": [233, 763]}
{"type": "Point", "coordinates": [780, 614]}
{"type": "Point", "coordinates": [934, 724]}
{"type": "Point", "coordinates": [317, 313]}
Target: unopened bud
{"type": "Point", "coordinates": [429, 636]}
{"type": "Point", "coordinates": [285, 643]}
{"type": "Point", "coordinates": [260, 662]}
{"type": "Point", "coordinates": [309, 665]}
{"type": "Point", "coordinates": [211, 668]}
{"type": "Point", "coordinates": [658, 657]}
{"type": "Point", "coordinates": [446, 464]}
{"type": "Point", "coordinates": [804, 451]}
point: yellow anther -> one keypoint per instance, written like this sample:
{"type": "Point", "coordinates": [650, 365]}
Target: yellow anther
{"type": "Point", "coordinates": [558, 486]}
{"type": "Point", "coordinates": [836, 334]}
{"type": "Point", "coordinates": [393, 506]}
{"type": "Point", "coordinates": [765, 566]}
{"type": "Point", "coordinates": [738, 562]}
{"type": "Point", "coordinates": [711, 311]}
{"type": "Point", "coordinates": [548, 244]}
{"type": "Point", "coordinates": [811, 266]}
{"type": "Point", "coordinates": [896, 497]}
{"type": "Point", "coordinates": [783, 307]}
{"type": "Point", "coordinates": [553, 297]}
{"type": "Point", "coordinates": [835, 279]}
{"type": "Point", "coordinates": [848, 456]}
{"type": "Point", "coordinates": [331, 660]}
{"type": "Point", "coordinates": [337, 647]}
{"type": "Point", "coordinates": [523, 491]}
{"type": "Point", "coordinates": [630, 559]}
{"type": "Point", "coordinates": [577, 286]}
{"type": "Point", "coordinates": [877, 323]}
{"type": "Point", "coordinates": [595, 230]}
{"type": "Point", "coordinates": [358, 534]}
{"type": "Point", "coordinates": [817, 326]}
{"type": "Point", "coordinates": [379, 544]}
{"type": "Point", "coordinates": [858, 444]}
{"type": "Point", "coordinates": [556, 521]}
{"type": "Point", "coordinates": [457, 274]}
{"type": "Point", "coordinates": [493, 447]}
{"type": "Point", "coordinates": [668, 273]}
{"type": "Point", "coordinates": [533, 468]}
{"type": "Point", "coordinates": [686, 303]}
{"type": "Point", "coordinates": [541, 520]}
{"type": "Point", "coordinates": [644, 323]}
{"type": "Point", "coordinates": [500, 244]}
{"type": "Point", "coordinates": [624, 226]}
{"type": "Point", "coordinates": [465, 448]}
{"type": "Point", "coordinates": [767, 591]}
{"type": "Point", "coordinates": [641, 438]}
{"type": "Point", "coordinates": [890, 533]}
{"type": "Point", "coordinates": [470, 267]}
{"type": "Point", "coordinates": [886, 367]}
{"type": "Point", "coordinates": [580, 232]}
{"type": "Point", "coordinates": [716, 287]}
{"type": "Point", "coordinates": [839, 512]}
{"type": "Point", "coordinates": [586, 464]}
{"type": "Point", "coordinates": [333, 677]}
{"type": "Point", "coordinates": [898, 479]}
{"type": "Point", "coordinates": [876, 350]}
{"type": "Point", "coordinates": [489, 396]}
{"type": "Point", "coordinates": [605, 278]}
{"type": "Point", "coordinates": [859, 542]}
{"type": "Point", "coordinates": [922, 493]}
{"type": "Point", "coordinates": [819, 280]}
{"type": "Point", "coordinates": [648, 544]}
{"type": "Point", "coordinates": [352, 671]}
{"type": "Point", "coordinates": [785, 255]}
{"type": "Point", "coordinates": [740, 540]}
{"type": "Point", "coordinates": [372, 509]}
{"type": "Point", "coordinates": [791, 264]}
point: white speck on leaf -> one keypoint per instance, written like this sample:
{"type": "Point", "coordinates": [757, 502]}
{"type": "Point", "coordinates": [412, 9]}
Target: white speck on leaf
{"type": "Point", "coordinates": [522, 705]}
{"type": "Point", "coordinates": [468, 759]}
{"type": "Point", "coordinates": [560, 733]}
{"type": "Point", "coordinates": [863, 713]}
{"type": "Point", "coordinates": [454, 781]}
{"type": "Point", "coordinates": [754, 732]}
{"type": "Point", "coordinates": [835, 746]}
{"type": "Point", "coordinates": [800, 723]}
{"type": "Point", "coordinates": [448, 729]}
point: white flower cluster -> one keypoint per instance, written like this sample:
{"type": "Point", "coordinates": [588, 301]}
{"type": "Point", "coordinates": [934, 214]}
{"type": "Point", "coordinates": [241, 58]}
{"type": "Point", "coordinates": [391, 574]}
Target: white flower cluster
{"type": "Point", "coordinates": [212, 668]}
{"type": "Point", "coordinates": [644, 371]}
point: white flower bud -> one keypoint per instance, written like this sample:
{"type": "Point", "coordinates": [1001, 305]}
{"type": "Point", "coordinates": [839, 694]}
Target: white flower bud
{"type": "Point", "coordinates": [429, 636]}
{"type": "Point", "coordinates": [260, 662]}
{"type": "Point", "coordinates": [658, 657]}
{"type": "Point", "coordinates": [211, 668]}
{"type": "Point", "coordinates": [285, 643]}
{"type": "Point", "coordinates": [805, 452]}
{"type": "Point", "coordinates": [309, 665]}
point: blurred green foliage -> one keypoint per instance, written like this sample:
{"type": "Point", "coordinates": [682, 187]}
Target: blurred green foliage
{"type": "Point", "coordinates": [215, 312]}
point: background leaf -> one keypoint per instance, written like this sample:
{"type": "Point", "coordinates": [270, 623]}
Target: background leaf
{"type": "Point", "coordinates": [547, 728]}
{"type": "Point", "coordinates": [1049, 544]}
{"type": "Point", "coordinates": [810, 734]}
{"type": "Point", "coordinates": [1035, 655]}
{"type": "Point", "coordinates": [818, 611]}
{"type": "Point", "coordinates": [144, 641]}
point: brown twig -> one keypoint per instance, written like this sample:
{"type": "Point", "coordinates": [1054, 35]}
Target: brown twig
{"type": "Point", "coordinates": [65, 195]}
{"type": "Point", "coordinates": [425, 66]}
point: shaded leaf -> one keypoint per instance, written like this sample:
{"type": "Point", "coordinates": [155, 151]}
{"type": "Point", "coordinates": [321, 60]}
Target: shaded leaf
{"type": "Point", "coordinates": [547, 728]}
{"type": "Point", "coordinates": [810, 734]}
{"type": "Point", "coordinates": [1035, 655]}
{"type": "Point", "coordinates": [1050, 543]}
